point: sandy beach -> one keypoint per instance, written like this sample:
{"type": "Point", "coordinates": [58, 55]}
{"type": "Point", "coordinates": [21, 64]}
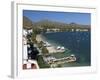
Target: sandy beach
{"type": "Point", "coordinates": [39, 38]}
{"type": "Point", "coordinates": [52, 48]}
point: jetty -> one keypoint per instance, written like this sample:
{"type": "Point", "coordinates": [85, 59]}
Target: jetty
{"type": "Point", "coordinates": [53, 62]}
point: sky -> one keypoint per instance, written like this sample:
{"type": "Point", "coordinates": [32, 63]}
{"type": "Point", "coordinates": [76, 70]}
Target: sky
{"type": "Point", "coordinates": [64, 17]}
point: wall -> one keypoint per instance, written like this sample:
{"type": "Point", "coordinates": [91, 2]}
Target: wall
{"type": "Point", "coordinates": [5, 38]}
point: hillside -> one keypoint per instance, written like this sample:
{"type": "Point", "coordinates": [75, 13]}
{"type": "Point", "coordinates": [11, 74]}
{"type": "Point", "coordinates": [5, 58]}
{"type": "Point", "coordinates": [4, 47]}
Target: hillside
{"type": "Point", "coordinates": [27, 23]}
{"type": "Point", "coordinates": [47, 24]}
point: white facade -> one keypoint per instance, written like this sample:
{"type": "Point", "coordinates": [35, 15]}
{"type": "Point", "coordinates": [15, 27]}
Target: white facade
{"type": "Point", "coordinates": [24, 32]}
{"type": "Point", "coordinates": [25, 56]}
{"type": "Point", "coordinates": [30, 31]}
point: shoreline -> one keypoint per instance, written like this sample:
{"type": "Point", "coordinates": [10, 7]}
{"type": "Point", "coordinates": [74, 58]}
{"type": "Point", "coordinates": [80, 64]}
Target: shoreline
{"type": "Point", "coordinates": [52, 48]}
{"type": "Point", "coordinates": [39, 37]}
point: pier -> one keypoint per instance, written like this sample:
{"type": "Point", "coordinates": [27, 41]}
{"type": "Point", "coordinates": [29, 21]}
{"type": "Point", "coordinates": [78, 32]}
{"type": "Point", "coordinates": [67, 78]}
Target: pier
{"type": "Point", "coordinates": [53, 62]}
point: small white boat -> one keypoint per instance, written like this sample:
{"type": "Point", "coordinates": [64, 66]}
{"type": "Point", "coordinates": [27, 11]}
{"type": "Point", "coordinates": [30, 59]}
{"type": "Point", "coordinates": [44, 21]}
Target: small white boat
{"type": "Point", "coordinates": [72, 55]}
{"type": "Point", "coordinates": [58, 48]}
{"type": "Point", "coordinates": [62, 48]}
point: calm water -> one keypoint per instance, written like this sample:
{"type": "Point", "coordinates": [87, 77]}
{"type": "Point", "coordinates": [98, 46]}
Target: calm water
{"type": "Point", "coordinates": [78, 42]}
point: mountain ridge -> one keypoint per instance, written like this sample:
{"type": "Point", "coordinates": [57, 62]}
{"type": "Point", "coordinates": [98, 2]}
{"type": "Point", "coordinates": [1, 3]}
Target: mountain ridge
{"type": "Point", "coordinates": [27, 23]}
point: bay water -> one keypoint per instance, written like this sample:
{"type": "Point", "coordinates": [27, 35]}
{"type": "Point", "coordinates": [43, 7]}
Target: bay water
{"type": "Point", "coordinates": [79, 43]}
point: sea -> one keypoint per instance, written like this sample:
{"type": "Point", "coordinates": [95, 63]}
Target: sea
{"type": "Point", "coordinates": [79, 44]}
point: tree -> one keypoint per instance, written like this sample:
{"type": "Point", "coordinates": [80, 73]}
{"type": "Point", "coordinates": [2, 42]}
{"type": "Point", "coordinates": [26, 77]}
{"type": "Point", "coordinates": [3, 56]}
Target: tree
{"type": "Point", "coordinates": [34, 38]}
{"type": "Point", "coordinates": [59, 65]}
{"type": "Point", "coordinates": [45, 51]}
{"type": "Point", "coordinates": [36, 30]}
{"type": "Point", "coordinates": [40, 44]}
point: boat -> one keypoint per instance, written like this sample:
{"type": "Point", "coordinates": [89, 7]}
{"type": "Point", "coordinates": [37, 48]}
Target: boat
{"type": "Point", "coordinates": [62, 48]}
{"type": "Point", "coordinates": [58, 48]}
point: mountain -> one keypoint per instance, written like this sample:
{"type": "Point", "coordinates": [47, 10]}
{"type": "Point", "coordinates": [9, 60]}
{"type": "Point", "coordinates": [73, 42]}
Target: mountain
{"type": "Point", "coordinates": [28, 24]}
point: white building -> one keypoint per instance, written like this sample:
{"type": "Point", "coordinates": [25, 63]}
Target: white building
{"type": "Point", "coordinates": [30, 31]}
{"type": "Point", "coordinates": [25, 55]}
{"type": "Point", "coordinates": [25, 33]}
{"type": "Point", "coordinates": [24, 41]}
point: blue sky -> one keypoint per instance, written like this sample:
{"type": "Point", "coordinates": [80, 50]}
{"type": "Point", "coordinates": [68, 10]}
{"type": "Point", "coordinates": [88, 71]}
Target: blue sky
{"type": "Point", "coordinates": [65, 17]}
